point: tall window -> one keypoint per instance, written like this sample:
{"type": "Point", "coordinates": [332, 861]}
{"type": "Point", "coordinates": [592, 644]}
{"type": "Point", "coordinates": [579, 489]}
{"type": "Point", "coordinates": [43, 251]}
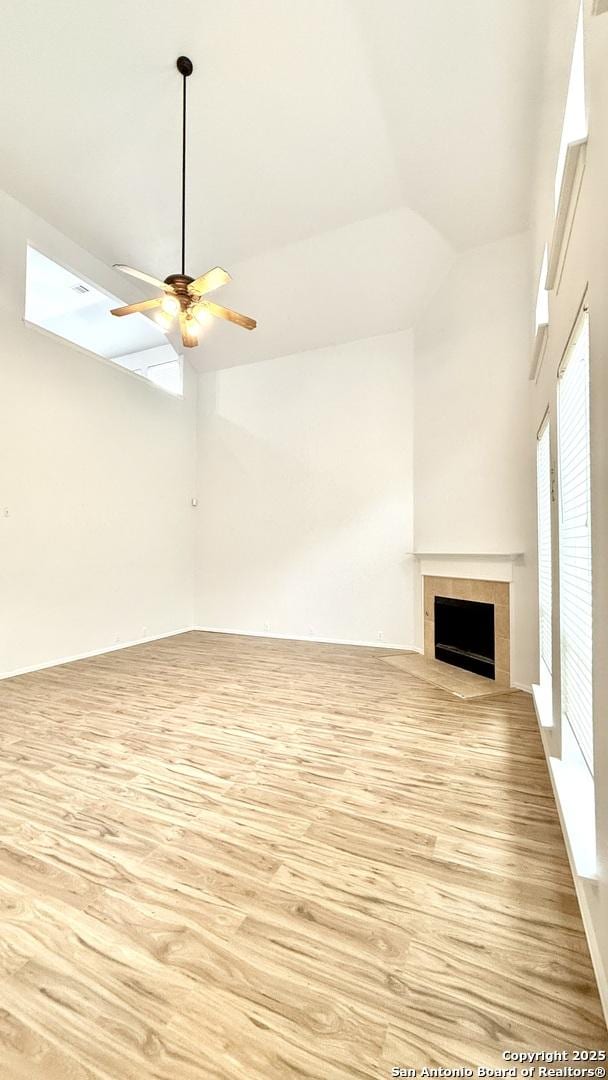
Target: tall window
{"type": "Point", "coordinates": [575, 119]}
{"type": "Point", "coordinates": [542, 296]}
{"type": "Point", "coordinates": [575, 543]}
{"type": "Point", "coordinates": [543, 482]}
{"type": "Point", "coordinates": [76, 310]}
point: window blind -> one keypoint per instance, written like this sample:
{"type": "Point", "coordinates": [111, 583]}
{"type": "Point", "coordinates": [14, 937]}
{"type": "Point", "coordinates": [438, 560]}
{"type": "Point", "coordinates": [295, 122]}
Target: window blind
{"type": "Point", "coordinates": [543, 481]}
{"type": "Point", "coordinates": [575, 543]}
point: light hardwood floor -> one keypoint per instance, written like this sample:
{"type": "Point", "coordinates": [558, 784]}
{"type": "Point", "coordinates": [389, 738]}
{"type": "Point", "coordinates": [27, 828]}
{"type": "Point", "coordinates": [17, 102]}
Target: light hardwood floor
{"type": "Point", "coordinates": [228, 857]}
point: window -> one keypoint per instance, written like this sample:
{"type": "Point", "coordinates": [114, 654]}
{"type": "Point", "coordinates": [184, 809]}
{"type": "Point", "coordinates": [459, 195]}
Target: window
{"type": "Point", "coordinates": [543, 482]}
{"type": "Point", "coordinates": [159, 365]}
{"type": "Point", "coordinates": [167, 375]}
{"type": "Point", "coordinates": [575, 543]}
{"type": "Point", "coordinates": [575, 120]}
{"type": "Point", "coordinates": [74, 309]}
{"type": "Point", "coordinates": [542, 296]}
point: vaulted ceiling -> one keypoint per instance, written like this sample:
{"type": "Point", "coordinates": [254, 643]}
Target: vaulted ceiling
{"type": "Point", "coordinates": [340, 150]}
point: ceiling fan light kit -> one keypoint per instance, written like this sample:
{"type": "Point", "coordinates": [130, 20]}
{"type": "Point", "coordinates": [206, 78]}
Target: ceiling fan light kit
{"type": "Point", "coordinates": [183, 296]}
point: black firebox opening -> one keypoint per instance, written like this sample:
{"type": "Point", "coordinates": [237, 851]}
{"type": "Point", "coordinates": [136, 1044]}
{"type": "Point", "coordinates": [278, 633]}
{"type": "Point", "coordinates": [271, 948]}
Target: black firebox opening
{"type": "Point", "coordinates": [464, 634]}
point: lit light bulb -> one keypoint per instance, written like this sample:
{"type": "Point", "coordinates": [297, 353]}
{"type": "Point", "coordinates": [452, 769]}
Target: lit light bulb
{"type": "Point", "coordinates": [169, 304]}
{"type": "Point", "coordinates": [164, 320]}
{"type": "Point", "coordinates": [201, 314]}
{"type": "Point", "coordinates": [191, 329]}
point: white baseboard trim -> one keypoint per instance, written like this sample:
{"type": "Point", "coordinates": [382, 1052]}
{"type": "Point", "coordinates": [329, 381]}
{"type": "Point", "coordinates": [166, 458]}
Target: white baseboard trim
{"type": "Point", "coordinates": [527, 689]}
{"type": "Point", "coordinates": [220, 630]}
{"type": "Point", "coordinates": [94, 652]}
{"type": "Point", "coordinates": [318, 640]}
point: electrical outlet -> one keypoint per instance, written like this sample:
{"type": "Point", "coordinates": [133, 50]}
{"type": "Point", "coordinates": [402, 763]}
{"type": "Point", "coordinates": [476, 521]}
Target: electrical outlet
{"type": "Point", "coordinates": [380, 635]}
{"type": "Point", "coordinates": [267, 626]}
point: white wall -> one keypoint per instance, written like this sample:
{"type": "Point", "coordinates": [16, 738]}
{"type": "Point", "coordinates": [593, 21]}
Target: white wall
{"type": "Point", "coordinates": [305, 486]}
{"type": "Point", "coordinates": [474, 460]}
{"type": "Point", "coordinates": [586, 264]}
{"type": "Point", "coordinates": [96, 474]}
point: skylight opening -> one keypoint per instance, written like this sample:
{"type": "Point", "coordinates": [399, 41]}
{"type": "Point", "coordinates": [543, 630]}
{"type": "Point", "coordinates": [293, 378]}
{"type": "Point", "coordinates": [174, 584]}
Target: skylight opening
{"type": "Point", "coordinates": [575, 115]}
{"type": "Point", "coordinates": [77, 311]}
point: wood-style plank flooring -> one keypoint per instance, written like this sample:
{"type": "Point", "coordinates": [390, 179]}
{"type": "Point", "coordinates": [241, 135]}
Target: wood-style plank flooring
{"type": "Point", "coordinates": [228, 857]}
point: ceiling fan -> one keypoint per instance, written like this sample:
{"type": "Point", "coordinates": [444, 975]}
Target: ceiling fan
{"type": "Point", "coordinates": [184, 297]}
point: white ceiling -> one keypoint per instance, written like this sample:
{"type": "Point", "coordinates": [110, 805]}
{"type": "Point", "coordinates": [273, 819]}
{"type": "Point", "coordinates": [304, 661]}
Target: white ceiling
{"type": "Point", "coordinates": [364, 279]}
{"type": "Point", "coordinates": [312, 124]}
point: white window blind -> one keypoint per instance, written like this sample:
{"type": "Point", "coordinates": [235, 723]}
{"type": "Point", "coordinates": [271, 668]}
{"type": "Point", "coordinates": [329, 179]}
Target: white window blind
{"type": "Point", "coordinates": [543, 482]}
{"type": "Point", "coordinates": [575, 543]}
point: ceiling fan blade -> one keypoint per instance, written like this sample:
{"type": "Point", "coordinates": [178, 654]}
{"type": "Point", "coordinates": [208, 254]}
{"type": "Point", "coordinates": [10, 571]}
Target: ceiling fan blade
{"type": "Point", "coordinates": [210, 281]}
{"type": "Point", "coordinates": [227, 313]}
{"type": "Point", "coordinates": [144, 305]}
{"type": "Point", "coordinates": [158, 284]}
{"type": "Point", "coordinates": [189, 340]}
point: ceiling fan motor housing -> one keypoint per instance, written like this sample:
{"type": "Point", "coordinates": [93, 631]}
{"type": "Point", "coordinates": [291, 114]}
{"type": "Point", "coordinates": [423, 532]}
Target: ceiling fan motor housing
{"type": "Point", "coordinates": [179, 283]}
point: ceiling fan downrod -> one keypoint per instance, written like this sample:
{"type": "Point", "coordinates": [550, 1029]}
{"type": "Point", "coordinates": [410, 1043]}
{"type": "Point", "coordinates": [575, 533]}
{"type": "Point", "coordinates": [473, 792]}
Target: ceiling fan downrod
{"type": "Point", "coordinates": [185, 68]}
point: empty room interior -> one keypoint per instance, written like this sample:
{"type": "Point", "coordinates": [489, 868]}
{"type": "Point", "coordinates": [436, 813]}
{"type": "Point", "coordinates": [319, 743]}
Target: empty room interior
{"type": "Point", "coordinates": [303, 539]}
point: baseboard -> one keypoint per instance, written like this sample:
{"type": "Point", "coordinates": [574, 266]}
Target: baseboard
{"type": "Point", "coordinates": [220, 630]}
{"type": "Point", "coordinates": [318, 640]}
{"type": "Point", "coordinates": [94, 652]}
{"type": "Point", "coordinates": [204, 629]}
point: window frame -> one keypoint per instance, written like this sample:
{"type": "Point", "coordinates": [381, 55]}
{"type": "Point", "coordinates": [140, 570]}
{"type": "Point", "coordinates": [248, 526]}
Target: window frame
{"type": "Point", "coordinates": [140, 375]}
{"type": "Point", "coordinates": [576, 82]}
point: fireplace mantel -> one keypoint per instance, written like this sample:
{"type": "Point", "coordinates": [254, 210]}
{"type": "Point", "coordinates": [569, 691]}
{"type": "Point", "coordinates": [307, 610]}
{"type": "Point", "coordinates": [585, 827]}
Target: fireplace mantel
{"type": "Point", "coordinates": [513, 555]}
{"type": "Point", "coordinates": [482, 565]}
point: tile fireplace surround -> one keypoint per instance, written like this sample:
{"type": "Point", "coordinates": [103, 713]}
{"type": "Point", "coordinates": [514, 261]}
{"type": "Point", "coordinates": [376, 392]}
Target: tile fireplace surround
{"type": "Point", "coordinates": [488, 592]}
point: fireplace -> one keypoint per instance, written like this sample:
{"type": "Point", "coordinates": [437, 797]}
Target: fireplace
{"type": "Point", "coordinates": [464, 634]}
{"type": "Point", "coordinates": [486, 596]}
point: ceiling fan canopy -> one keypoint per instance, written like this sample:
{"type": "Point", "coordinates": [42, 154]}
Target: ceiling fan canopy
{"type": "Point", "coordinates": [183, 297]}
